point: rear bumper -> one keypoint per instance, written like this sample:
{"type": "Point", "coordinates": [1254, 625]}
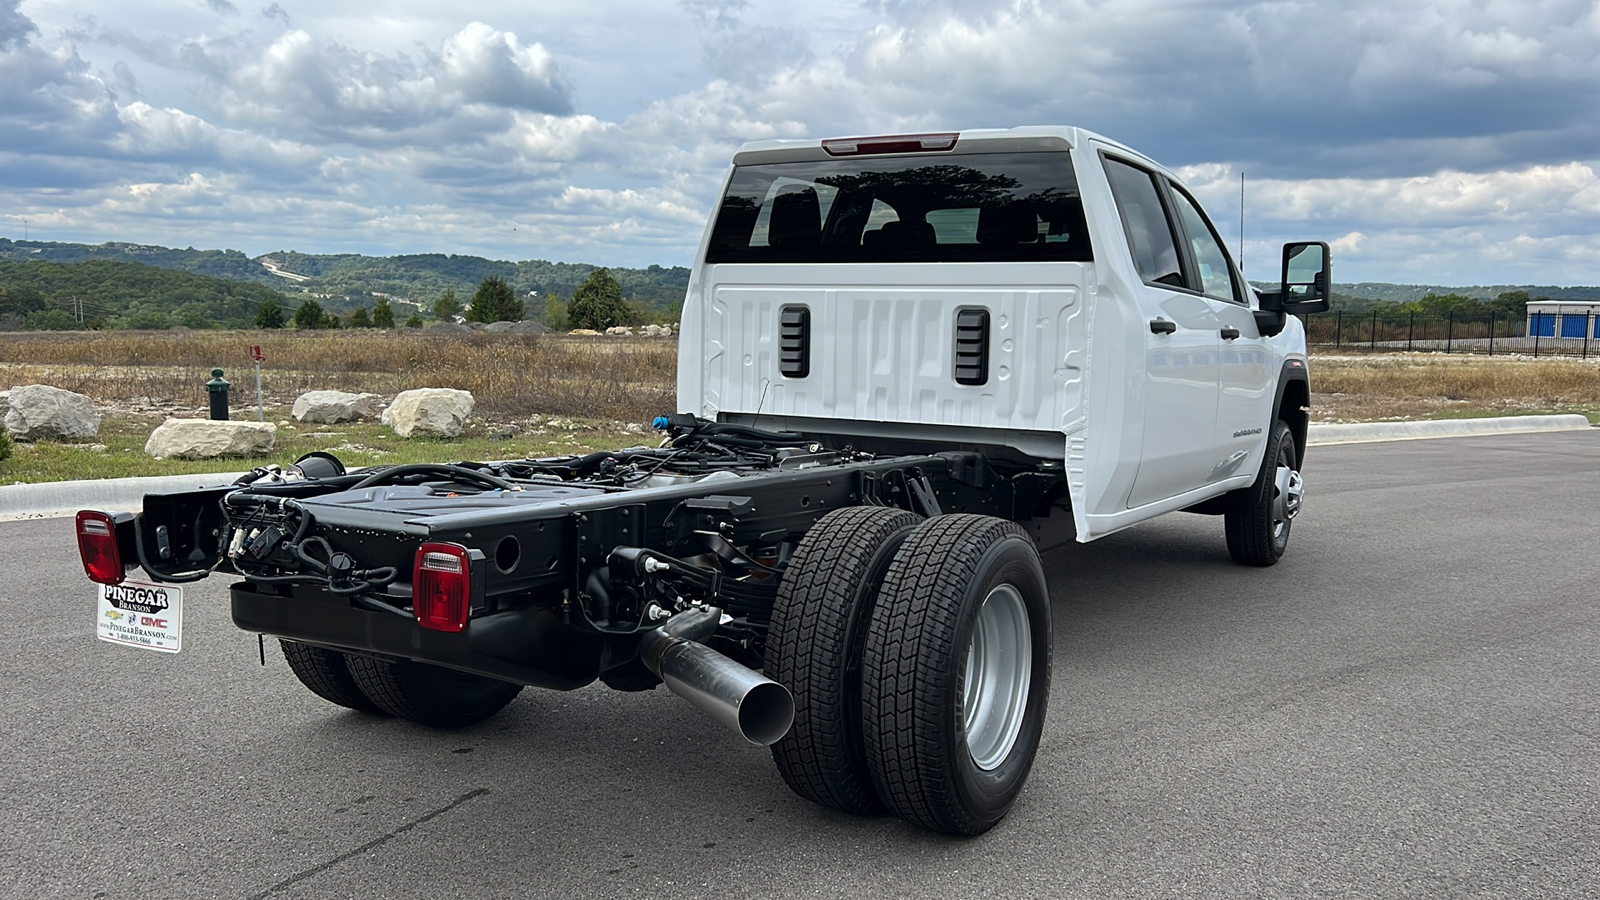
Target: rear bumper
{"type": "Point", "coordinates": [526, 646]}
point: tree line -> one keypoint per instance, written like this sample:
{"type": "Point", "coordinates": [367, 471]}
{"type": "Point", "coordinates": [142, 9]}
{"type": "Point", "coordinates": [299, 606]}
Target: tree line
{"type": "Point", "coordinates": [108, 294]}
{"type": "Point", "coordinates": [597, 304]}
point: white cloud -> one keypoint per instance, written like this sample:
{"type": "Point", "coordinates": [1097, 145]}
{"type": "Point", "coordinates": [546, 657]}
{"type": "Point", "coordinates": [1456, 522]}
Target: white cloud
{"type": "Point", "coordinates": [1532, 195]}
{"type": "Point", "coordinates": [483, 65]}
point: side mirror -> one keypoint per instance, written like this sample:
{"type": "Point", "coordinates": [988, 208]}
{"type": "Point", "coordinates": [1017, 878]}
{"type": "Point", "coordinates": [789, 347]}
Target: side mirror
{"type": "Point", "coordinates": [1307, 283]}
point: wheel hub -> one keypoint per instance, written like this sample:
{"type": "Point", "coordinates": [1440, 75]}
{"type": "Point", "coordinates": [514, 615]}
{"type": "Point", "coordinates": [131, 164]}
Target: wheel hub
{"type": "Point", "coordinates": [1289, 490]}
{"type": "Point", "coordinates": [999, 669]}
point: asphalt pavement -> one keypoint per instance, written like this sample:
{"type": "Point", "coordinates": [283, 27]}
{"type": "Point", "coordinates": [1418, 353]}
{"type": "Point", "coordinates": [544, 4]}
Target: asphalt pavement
{"type": "Point", "coordinates": [1406, 706]}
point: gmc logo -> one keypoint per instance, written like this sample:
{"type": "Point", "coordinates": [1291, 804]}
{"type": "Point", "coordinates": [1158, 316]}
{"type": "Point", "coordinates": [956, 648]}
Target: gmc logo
{"type": "Point", "coordinates": [152, 622]}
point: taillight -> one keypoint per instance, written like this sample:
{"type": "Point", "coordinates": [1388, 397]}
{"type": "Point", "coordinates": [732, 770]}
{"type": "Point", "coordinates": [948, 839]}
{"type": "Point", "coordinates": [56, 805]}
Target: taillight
{"type": "Point", "coordinates": [441, 587]}
{"type": "Point", "coordinates": [97, 546]}
{"type": "Point", "coordinates": [891, 143]}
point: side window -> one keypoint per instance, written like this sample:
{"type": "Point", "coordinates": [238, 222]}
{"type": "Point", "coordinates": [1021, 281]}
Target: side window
{"type": "Point", "coordinates": [1216, 276]}
{"type": "Point", "coordinates": [1155, 252]}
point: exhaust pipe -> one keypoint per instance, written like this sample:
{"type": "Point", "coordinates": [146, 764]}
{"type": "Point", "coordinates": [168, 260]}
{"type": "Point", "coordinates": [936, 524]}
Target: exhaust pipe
{"type": "Point", "coordinates": [757, 707]}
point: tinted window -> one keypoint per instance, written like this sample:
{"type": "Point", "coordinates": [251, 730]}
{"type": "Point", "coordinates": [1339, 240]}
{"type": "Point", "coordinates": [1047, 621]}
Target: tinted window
{"type": "Point", "coordinates": [978, 207]}
{"type": "Point", "coordinates": [1155, 253]}
{"type": "Point", "coordinates": [1216, 276]}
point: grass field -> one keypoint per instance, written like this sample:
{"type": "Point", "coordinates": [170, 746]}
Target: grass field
{"type": "Point", "coordinates": [1400, 386]}
{"type": "Point", "coordinates": [555, 394]}
{"type": "Point", "coordinates": [617, 378]}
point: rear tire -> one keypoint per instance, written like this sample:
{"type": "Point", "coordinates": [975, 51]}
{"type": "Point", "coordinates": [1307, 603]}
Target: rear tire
{"type": "Point", "coordinates": [1258, 520]}
{"type": "Point", "coordinates": [430, 695]}
{"type": "Point", "coordinates": [819, 624]}
{"type": "Point", "coordinates": [327, 674]}
{"type": "Point", "coordinates": [956, 673]}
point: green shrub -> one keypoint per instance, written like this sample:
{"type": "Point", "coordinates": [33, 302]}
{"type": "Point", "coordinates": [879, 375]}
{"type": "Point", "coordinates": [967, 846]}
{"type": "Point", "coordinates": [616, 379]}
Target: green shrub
{"type": "Point", "coordinates": [5, 444]}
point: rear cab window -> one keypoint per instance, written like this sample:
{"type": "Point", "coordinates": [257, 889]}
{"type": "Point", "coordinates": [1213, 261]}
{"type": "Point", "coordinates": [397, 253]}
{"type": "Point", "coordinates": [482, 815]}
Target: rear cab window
{"type": "Point", "coordinates": [1172, 242]}
{"type": "Point", "coordinates": [979, 207]}
{"type": "Point", "coordinates": [1144, 219]}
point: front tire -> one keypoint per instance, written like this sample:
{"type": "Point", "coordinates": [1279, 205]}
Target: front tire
{"type": "Point", "coordinates": [1258, 520]}
{"type": "Point", "coordinates": [430, 695]}
{"type": "Point", "coordinates": [819, 624]}
{"type": "Point", "coordinates": [956, 673]}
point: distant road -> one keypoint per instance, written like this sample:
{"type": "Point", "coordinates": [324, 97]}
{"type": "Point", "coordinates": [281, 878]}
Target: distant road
{"type": "Point", "coordinates": [1405, 706]}
{"type": "Point", "coordinates": [271, 266]}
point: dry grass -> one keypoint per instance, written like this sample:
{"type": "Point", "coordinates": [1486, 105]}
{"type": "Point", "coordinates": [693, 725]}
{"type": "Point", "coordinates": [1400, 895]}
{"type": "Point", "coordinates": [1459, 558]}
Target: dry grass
{"type": "Point", "coordinates": [508, 375]}
{"type": "Point", "coordinates": [1428, 385]}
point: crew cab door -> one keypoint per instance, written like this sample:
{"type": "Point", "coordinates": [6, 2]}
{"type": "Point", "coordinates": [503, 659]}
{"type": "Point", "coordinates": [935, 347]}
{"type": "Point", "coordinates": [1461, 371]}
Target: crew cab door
{"type": "Point", "coordinates": [1244, 373]}
{"type": "Point", "coordinates": [1183, 342]}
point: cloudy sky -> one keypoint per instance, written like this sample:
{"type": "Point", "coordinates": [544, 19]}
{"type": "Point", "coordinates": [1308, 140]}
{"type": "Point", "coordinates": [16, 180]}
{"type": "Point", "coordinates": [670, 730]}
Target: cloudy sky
{"type": "Point", "coordinates": [1436, 141]}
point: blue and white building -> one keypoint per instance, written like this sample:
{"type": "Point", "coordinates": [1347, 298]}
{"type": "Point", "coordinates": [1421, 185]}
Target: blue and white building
{"type": "Point", "coordinates": [1563, 318]}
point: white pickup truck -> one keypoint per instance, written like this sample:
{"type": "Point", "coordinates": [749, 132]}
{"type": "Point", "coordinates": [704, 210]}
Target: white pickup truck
{"type": "Point", "coordinates": [907, 362]}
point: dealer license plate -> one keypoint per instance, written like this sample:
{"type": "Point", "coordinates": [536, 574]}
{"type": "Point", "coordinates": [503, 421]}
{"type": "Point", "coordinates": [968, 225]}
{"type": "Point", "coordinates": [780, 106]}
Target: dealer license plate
{"type": "Point", "coordinates": [141, 614]}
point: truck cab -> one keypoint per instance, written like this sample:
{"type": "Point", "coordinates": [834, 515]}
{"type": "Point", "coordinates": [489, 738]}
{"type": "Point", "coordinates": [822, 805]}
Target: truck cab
{"type": "Point", "coordinates": [1042, 292]}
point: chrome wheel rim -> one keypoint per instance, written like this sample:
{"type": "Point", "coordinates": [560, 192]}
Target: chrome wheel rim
{"type": "Point", "coordinates": [999, 668]}
{"type": "Point", "coordinates": [1288, 492]}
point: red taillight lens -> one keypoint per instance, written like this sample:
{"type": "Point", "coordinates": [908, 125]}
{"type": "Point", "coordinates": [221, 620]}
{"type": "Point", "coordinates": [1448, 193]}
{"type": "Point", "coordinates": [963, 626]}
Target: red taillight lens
{"type": "Point", "coordinates": [891, 143]}
{"type": "Point", "coordinates": [97, 546]}
{"type": "Point", "coordinates": [441, 587]}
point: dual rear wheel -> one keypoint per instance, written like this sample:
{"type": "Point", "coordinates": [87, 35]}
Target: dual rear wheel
{"type": "Point", "coordinates": [427, 695]}
{"type": "Point", "coordinates": [919, 656]}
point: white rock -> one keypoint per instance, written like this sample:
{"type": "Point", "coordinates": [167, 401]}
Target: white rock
{"type": "Point", "coordinates": [329, 407]}
{"type": "Point", "coordinates": [41, 411]}
{"type": "Point", "coordinates": [429, 411]}
{"type": "Point", "coordinates": [620, 330]}
{"type": "Point", "coordinates": [204, 439]}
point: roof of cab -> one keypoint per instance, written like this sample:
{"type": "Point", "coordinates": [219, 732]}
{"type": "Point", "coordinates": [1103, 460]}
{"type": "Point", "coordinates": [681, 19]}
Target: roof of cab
{"type": "Point", "coordinates": [982, 140]}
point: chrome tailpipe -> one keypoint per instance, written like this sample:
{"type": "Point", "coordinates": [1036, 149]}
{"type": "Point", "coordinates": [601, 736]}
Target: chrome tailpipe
{"type": "Point", "coordinates": [758, 708]}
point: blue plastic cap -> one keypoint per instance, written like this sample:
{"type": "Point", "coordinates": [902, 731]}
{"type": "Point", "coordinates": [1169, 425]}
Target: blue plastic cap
{"type": "Point", "coordinates": [660, 423]}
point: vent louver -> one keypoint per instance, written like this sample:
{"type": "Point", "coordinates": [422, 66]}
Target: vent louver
{"type": "Point", "coordinates": [794, 341]}
{"type": "Point", "coordinates": [972, 346]}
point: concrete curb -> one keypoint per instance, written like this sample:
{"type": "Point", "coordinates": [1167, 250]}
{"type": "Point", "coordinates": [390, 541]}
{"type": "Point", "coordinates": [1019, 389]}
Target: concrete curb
{"type": "Point", "coordinates": [65, 498]}
{"type": "Point", "coordinates": [1369, 432]}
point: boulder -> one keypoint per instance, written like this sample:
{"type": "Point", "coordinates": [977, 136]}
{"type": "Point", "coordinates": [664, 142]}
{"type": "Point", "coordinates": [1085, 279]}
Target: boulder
{"type": "Point", "coordinates": [334, 406]}
{"type": "Point", "coordinates": [205, 438]}
{"type": "Point", "coordinates": [429, 411]}
{"type": "Point", "coordinates": [40, 411]}
{"type": "Point", "coordinates": [497, 327]}
{"type": "Point", "coordinates": [583, 331]}
{"type": "Point", "coordinates": [620, 331]}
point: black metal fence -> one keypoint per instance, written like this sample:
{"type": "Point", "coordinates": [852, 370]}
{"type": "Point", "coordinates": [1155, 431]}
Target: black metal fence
{"type": "Point", "coordinates": [1540, 334]}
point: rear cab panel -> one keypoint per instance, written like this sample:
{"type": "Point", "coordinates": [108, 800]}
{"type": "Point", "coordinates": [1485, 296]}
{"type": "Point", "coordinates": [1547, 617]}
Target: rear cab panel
{"type": "Point", "coordinates": [945, 292]}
